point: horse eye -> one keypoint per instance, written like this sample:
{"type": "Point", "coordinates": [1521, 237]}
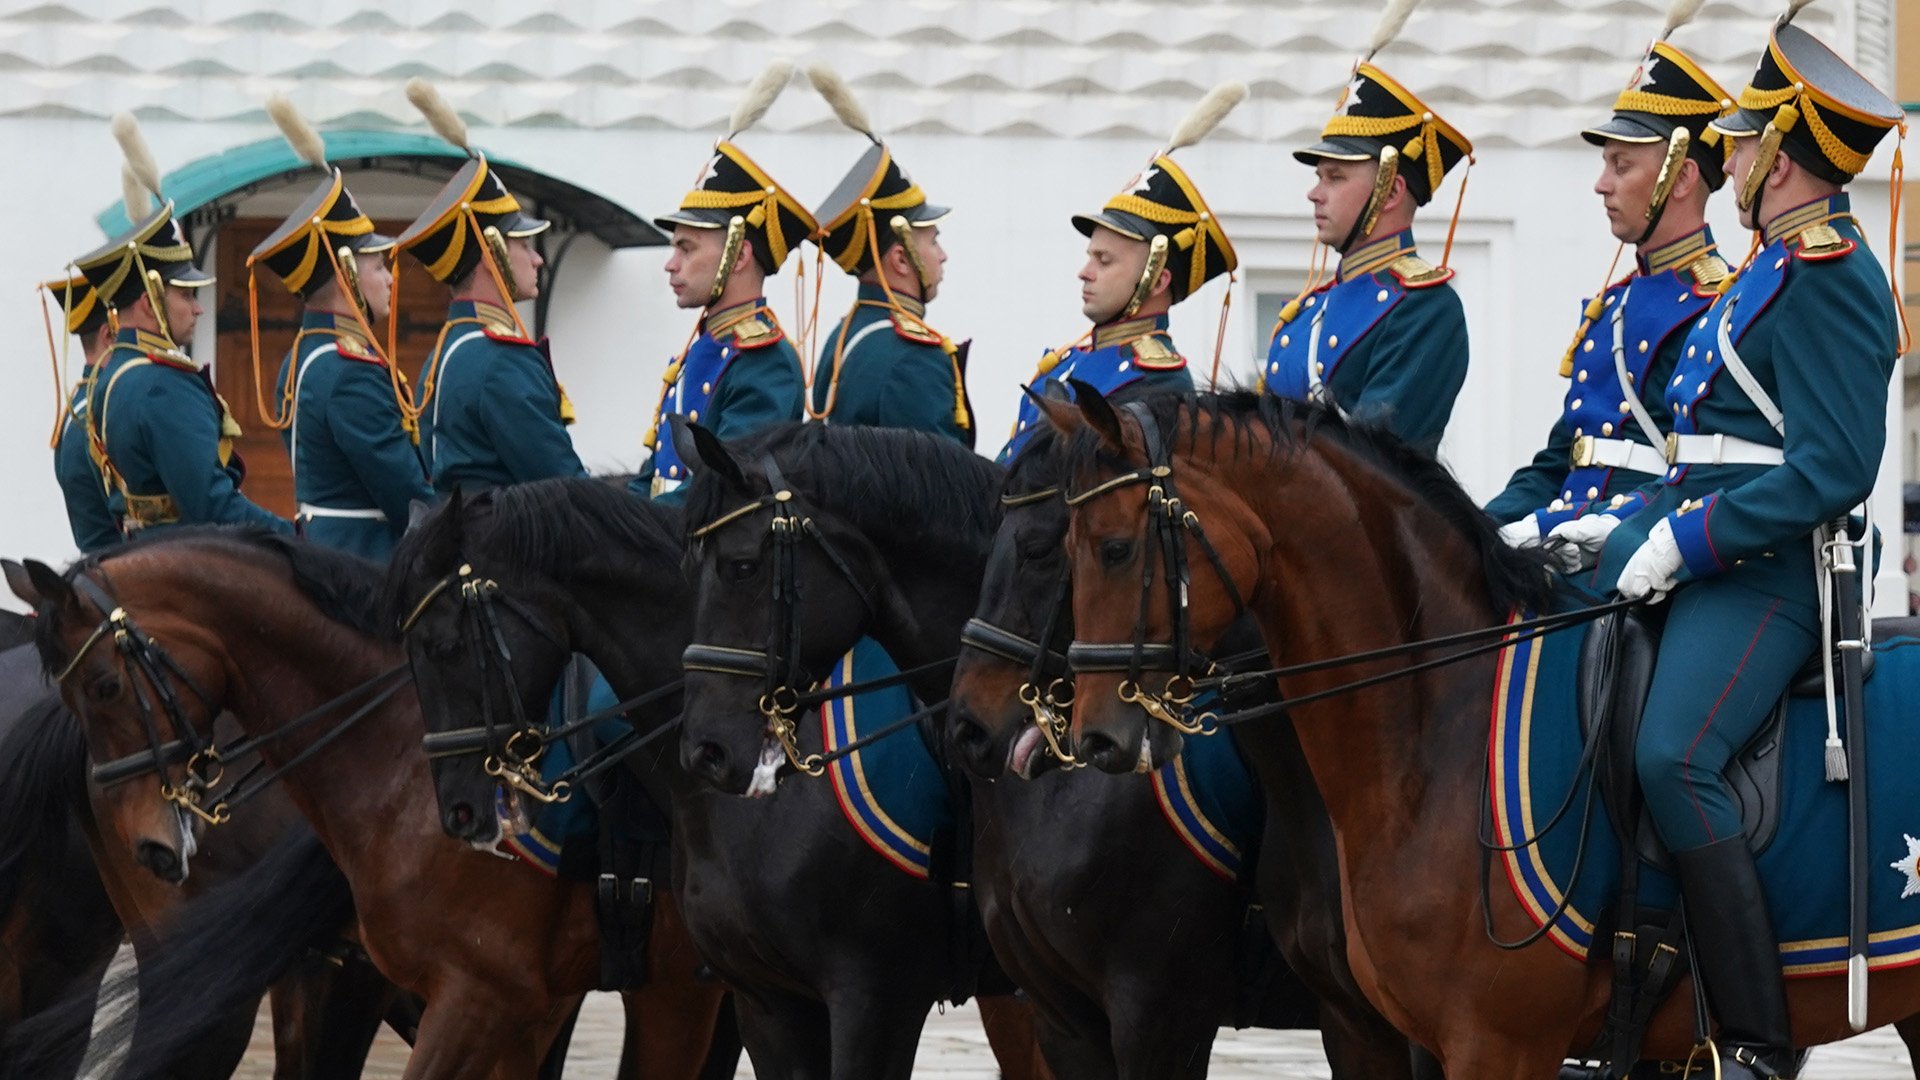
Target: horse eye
{"type": "Point", "coordinates": [105, 689]}
{"type": "Point", "coordinates": [1115, 552]}
{"type": "Point", "coordinates": [742, 569]}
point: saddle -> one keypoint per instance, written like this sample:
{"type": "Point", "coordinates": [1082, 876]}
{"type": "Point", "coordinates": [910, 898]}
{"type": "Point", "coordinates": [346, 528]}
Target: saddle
{"type": "Point", "coordinates": [1616, 671]}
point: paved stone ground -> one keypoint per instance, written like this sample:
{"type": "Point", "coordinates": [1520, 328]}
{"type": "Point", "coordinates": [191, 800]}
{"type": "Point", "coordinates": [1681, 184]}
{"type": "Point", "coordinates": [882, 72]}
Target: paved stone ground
{"type": "Point", "coordinates": [953, 1048]}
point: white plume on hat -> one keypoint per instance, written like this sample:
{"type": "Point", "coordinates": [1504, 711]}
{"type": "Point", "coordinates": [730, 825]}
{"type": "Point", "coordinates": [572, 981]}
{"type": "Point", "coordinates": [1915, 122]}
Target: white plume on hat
{"type": "Point", "coordinates": [760, 96]}
{"type": "Point", "coordinates": [441, 116]}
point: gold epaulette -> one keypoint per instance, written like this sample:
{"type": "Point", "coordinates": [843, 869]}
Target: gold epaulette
{"type": "Point", "coordinates": [1822, 240]}
{"type": "Point", "coordinates": [1153, 354]}
{"type": "Point", "coordinates": [1710, 272]}
{"type": "Point", "coordinates": [756, 330]}
{"type": "Point", "coordinates": [1417, 273]}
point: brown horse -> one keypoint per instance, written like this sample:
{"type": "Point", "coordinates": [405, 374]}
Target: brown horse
{"type": "Point", "coordinates": [272, 630]}
{"type": "Point", "coordinates": [1341, 539]}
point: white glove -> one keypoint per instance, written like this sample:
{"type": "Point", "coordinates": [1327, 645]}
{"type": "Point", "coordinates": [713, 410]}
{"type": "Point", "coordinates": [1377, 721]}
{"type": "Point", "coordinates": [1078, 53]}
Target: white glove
{"type": "Point", "coordinates": [1584, 537]}
{"type": "Point", "coordinates": [1653, 567]}
{"type": "Point", "coordinates": [1521, 533]}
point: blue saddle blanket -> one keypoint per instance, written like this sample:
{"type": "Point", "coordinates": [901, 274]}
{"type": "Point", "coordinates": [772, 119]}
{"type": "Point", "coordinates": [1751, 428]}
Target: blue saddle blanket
{"type": "Point", "coordinates": [892, 793]}
{"type": "Point", "coordinates": [1211, 801]}
{"type": "Point", "coordinates": [1534, 752]}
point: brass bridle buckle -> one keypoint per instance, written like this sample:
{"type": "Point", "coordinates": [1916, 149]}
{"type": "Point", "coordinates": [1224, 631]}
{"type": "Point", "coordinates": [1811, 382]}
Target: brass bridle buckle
{"type": "Point", "coordinates": [1050, 716]}
{"type": "Point", "coordinates": [525, 780]}
{"type": "Point", "coordinates": [1170, 706]}
{"type": "Point", "coordinates": [204, 770]}
{"type": "Point", "coordinates": [780, 706]}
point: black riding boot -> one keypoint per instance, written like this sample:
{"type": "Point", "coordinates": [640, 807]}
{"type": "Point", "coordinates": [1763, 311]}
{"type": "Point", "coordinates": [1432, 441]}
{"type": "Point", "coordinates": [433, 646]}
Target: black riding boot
{"type": "Point", "coordinates": [1738, 959]}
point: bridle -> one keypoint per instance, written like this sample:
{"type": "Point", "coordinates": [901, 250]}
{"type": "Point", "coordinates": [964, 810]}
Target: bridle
{"type": "Point", "coordinates": [1169, 526]}
{"type": "Point", "coordinates": [1048, 689]}
{"type": "Point", "coordinates": [778, 666]}
{"type": "Point", "coordinates": [205, 759]}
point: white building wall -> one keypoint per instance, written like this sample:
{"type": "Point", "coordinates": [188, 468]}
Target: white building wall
{"type": "Point", "coordinates": [1016, 114]}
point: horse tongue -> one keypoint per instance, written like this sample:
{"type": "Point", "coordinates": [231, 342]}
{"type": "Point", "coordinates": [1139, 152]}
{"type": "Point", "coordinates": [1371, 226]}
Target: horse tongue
{"type": "Point", "coordinates": [1145, 762]}
{"type": "Point", "coordinates": [1025, 749]}
{"type": "Point", "coordinates": [766, 772]}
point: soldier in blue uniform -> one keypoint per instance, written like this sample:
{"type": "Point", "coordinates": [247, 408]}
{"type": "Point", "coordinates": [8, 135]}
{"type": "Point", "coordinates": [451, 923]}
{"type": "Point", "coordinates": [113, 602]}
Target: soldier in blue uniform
{"type": "Point", "coordinates": [883, 365]}
{"type": "Point", "coordinates": [1779, 420]}
{"type": "Point", "coordinates": [341, 405]}
{"type": "Point", "coordinates": [1151, 246]}
{"type": "Point", "coordinates": [85, 494]}
{"type": "Point", "coordinates": [1386, 339]}
{"type": "Point", "coordinates": [159, 434]}
{"type": "Point", "coordinates": [734, 230]}
{"type": "Point", "coordinates": [493, 412]}
{"type": "Point", "coordinates": [1660, 163]}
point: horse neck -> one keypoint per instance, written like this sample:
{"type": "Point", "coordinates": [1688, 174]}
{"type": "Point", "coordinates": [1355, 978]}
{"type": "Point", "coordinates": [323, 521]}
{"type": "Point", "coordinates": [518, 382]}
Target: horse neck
{"type": "Point", "coordinates": [636, 614]}
{"type": "Point", "coordinates": [942, 595]}
{"type": "Point", "coordinates": [1350, 541]}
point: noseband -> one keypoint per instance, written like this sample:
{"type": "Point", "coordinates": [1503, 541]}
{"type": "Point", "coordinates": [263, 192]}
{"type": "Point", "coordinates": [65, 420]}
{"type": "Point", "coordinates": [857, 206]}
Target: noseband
{"type": "Point", "coordinates": [1169, 524]}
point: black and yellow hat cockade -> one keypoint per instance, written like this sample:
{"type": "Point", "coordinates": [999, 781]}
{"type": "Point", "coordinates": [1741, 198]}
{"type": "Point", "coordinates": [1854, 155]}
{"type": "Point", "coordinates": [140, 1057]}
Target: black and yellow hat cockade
{"type": "Point", "coordinates": [1807, 101]}
{"type": "Point", "coordinates": [1376, 116]}
{"type": "Point", "coordinates": [1162, 207]}
{"type": "Point", "coordinates": [731, 187]}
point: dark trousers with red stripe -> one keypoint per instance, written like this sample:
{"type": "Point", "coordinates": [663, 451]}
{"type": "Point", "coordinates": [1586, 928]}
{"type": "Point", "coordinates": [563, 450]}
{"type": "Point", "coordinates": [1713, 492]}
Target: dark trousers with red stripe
{"type": "Point", "coordinates": [1726, 657]}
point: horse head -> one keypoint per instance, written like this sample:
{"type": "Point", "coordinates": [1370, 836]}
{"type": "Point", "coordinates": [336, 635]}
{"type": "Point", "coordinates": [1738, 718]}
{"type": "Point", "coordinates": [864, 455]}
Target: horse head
{"type": "Point", "coordinates": [145, 684]}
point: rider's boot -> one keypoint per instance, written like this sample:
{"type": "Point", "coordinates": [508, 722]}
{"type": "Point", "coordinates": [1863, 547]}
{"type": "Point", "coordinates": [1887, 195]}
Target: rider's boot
{"type": "Point", "coordinates": [1739, 962]}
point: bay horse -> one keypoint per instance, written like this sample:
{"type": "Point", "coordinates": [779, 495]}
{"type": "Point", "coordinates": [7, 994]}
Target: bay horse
{"type": "Point", "coordinates": [1342, 539]}
{"type": "Point", "coordinates": [276, 631]}
{"type": "Point", "coordinates": [835, 957]}
{"type": "Point", "coordinates": [67, 895]}
{"type": "Point", "coordinates": [1066, 959]}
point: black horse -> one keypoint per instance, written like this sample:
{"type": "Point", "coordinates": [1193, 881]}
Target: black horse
{"type": "Point", "coordinates": [835, 956]}
{"type": "Point", "coordinates": [995, 734]}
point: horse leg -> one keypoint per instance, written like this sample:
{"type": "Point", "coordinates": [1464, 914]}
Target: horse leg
{"type": "Point", "coordinates": [1482, 1058]}
{"type": "Point", "coordinates": [723, 1052]}
{"type": "Point", "coordinates": [670, 1030]}
{"type": "Point", "coordinates": [1361, 1046]}
{"type": "Point", "coordinates": [470, 1032]}
{"type": "Point", "coordinates": [1909, 1030]}
{"type": "Point", "coordinates": [554, 1065]}
{"type": "Point", "coordinates": [1154, 1037]}
{"type": "Point", "coordinates": [1009, 1023]}
{"type": "Point", "coordinates": [787, 1038]}
{"type": "Point", "coordinates": [325, 1015]}
{"type": "Point", "coordinates": [875, 1034]}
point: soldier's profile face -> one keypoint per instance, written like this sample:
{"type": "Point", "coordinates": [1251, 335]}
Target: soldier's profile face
{"type": "Point", "coordinates": [1339, 196]}
{"type": "Point", "coordinates": [933, 257]}
{"type": "Point", "coordinates": [692, 262]}
{"type": "Point", "coordinates": [1745, 151]}
{"type": "Point", "coordinates": [376, 283]}
{"type": "Point", "coordinates": [1628, 173]}
{"type": "Point", "coordinates": [1113, 267]}
{"type": "Point", "coordinates": [526, 262]}
{"type": "Point", "coordinates": [183, 311]}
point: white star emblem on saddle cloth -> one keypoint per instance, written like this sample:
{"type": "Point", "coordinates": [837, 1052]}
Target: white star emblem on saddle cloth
{"type": "Point", "coordinates": [1910, 866]}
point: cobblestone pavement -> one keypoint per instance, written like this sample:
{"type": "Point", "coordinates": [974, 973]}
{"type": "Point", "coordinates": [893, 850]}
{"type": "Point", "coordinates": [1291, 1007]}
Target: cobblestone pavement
{"type": "Point", "coordinates": [953, 1048]}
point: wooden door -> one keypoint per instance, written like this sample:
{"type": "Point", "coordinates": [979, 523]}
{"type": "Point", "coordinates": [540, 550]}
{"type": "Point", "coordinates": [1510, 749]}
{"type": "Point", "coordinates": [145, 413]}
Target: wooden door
{"type": "Point", "coordinates": [423, 308]}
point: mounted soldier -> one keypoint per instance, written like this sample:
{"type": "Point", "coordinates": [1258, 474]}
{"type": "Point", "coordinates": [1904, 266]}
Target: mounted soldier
{"type": "Point", "coordinates": [158, 433]}
{"type": "Point", "coordinates": [342, 406]}
{"type": "Point", "coordinates": [83, 316]}
{"type": "Point", "coordinates": [1660, 163]}
{"type": "Point", "coordinates": [1761, 465]}
{"type": "Point", "coordinates": [739, 372]}
{"type": "Point", "coordinates": [883, 365]}
{"type": "Point", "coordinates": [1386, 338]}
{"type": "Point", "coordinates": [493, 413]}
{"type": "Point", "coordinates": [1151, 246]}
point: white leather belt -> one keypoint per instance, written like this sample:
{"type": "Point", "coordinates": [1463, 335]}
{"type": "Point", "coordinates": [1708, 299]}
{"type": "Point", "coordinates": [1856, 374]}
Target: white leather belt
{"type": "Point", "coordinates": [1617, 454]}
{"type": "Point", "coordinates": [308, 512]}
{"type": "Point", "coordinates": [1720, 450]}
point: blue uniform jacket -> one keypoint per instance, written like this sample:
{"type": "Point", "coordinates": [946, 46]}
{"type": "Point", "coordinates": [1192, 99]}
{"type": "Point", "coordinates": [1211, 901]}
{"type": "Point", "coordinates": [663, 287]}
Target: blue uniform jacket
{"type": "Point", "coordinates": [93, 524]}
{"type": "Point", "coordinates": [166, 439]}
{"type": "Point", "coordinates": [1387, 338]}
{"type": "Point", "coordinates": [1135, 356]}
{"type": "Point", "coordinates": [351, 451]}
{"type": "Point", "coordinates": [1812, 319]}
{"type": "Point", "coordinates": [740, 374]}
{"type": "Point", "coordinates": [895, 370]}
{"type": "Point", "coordinates": [497, 415]}
{"type": "Point", "coordinates": [1674, 286]}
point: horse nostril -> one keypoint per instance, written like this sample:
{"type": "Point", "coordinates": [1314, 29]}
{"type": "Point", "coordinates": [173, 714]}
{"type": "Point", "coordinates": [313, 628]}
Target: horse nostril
{"type": "Point", "coordinates": [161, 860]}
{"type": "Point", "coordinates": [1103, 752]}
{"type": "Point", "coordinates": [459, 818]}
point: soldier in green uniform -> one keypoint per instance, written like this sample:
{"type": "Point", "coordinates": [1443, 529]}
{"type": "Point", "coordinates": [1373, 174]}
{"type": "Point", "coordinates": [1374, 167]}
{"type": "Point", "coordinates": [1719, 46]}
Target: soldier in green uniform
{"type": "Point", "coordinates": [1151, 246]}
{"type": "Point", "coordinates": [342, 406]}
{"type": "Point", "coordinates": [159, 434]}
{"type": "Point", "coordinates": [735, 229]}
{"type": "Point", "coordinates": [1386, 339]}
{"type": "Point", "coordinates": [88, 516]}
{"type": "Point", "coordinates": [1779, 421]}
{"type": "Point", "coordinates": [883, 365]}
{"type": "Point", "coordinates": [493, 413]}
{"type": "Point", "coordinates": [1660, 162]}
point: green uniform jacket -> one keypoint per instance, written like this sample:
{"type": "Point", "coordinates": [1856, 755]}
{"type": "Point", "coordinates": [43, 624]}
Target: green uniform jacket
{"type": "Point", "coordinates": [1812, 319]}
{"type": "Point", "coordinates": [894, 371]}
{"type": "Point", "coordinates": [352, 456]}
{"type": "Point", "coordinates": [93, 524]}
{"type": "Point", "coordinates": [168, 436]}
{"type": "Point", "coordinates": [1387, 339]}
{"type": "Point", "coordinates": [497, 416]}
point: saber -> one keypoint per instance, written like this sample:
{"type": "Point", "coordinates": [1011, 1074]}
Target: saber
{"type": "Point", "coordinates": [1852, 645]}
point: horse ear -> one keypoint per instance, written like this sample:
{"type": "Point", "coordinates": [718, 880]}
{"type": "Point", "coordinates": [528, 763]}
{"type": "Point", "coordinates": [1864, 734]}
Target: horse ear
{"type": "Point", "coordinates": [1099, 414]}
{"type": "Point", "coordinates": [37, 583]}
{"type": "Point", "coordinates": [1056, 407]}
{"type": "Point", "coordinates": [696, 443]}
{"type": "Point", "coordinates": [417, 511]}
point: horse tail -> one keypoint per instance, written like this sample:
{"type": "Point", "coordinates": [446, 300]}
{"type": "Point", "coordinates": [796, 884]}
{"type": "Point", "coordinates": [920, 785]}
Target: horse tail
{"type": "Point", "coordinates": [45, 782]}
{"type": "Point", "coordinates": [219, 953]}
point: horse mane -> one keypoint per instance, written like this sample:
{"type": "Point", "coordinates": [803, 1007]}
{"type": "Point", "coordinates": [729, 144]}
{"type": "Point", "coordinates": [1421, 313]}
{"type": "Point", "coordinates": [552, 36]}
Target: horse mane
{"type": "Point", "coordinates": [906, 490]}
{"type": "Point", "coordinates": [1515, 577]}
{"type": "Point", "coordinates": [553, 526]}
